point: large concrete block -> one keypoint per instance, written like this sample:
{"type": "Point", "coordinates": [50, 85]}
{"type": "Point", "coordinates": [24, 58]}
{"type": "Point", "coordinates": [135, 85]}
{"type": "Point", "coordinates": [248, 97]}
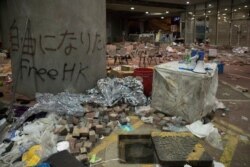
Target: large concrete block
{"type": "Point", "coordinates": [63, 44]}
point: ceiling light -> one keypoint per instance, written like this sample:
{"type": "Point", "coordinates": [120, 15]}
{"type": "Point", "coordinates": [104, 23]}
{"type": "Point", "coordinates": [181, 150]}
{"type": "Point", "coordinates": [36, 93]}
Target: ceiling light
{"type": "Point", "coordinates": [245, 6]}
{"type": "Point", "coordinates": [225, 9]}
{"type": "Point", "coordinates": [209, 11]}
{"type": "Point", "coordinates": [155, 14]}
{"type": "Point", "coordinates": [167, 12]}
{"type": "Point", "coordinates": [187, 2]}
{"type": "Point", "coordinates": [209, 5]}
{"type": "Point", "coordinates": [132, 8]}
{"type": "Point", "coordinates": [239, 8]}
{"type": "Point", "coordinates": [235, 10]}
{"type": "Point", "coordinates": [162, 17]}
{"type": "Point", "coordinates": [219, 18]}
{"type": "Point", "coordinates": [244, 16]}
{"type": "Point", "coordinates": [224, 14]}
{"type": "Point", "coordinates": [190, 12]}
{"type": "Point", "coordinates": [204, 13]}
{"type": "Point", "coordinates": [192, 18]}
{"type": "Point", "coordinates": [146, 12]}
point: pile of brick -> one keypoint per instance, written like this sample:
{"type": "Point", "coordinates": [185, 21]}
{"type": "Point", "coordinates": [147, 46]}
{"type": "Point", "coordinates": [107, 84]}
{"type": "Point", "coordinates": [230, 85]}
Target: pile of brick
{"type": "Point", "coordinates": [160, 120]}
{"type": "Point", "coordinates": [83, 133]}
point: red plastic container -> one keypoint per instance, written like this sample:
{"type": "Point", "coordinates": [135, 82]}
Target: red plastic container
{"type": "Point", "coordinates": [147, 76]}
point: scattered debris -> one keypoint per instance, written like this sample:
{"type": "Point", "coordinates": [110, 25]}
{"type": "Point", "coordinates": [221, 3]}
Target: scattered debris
{"type": "Point", "coordinates": [225, 94]}
{"type": "Point", "coordinates": [223, 114]}
{"type": "Point", "coordinates": [242, 89]}
{"type": "Point", "coordinates": [244, 118]}
{"type": "Point", "coordinates": [199, 129]}
{"type": "Point", "coordinates": [218, 164]}
{"type": "Point", "coordinates": [244, 138]}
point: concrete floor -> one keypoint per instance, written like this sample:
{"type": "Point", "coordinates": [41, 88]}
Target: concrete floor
{"type": "Point", "coordinates": [234, 125]}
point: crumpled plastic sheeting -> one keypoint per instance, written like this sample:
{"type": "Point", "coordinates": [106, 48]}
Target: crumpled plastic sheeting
{"type": "Point", "coordinates": [184, 93]}
{"type": "Point", "coordinates": [62, 103]}
{"type": "Point", "coordinates": [111, 91]}
{"type": "Point", "coordinates": [107, 93]}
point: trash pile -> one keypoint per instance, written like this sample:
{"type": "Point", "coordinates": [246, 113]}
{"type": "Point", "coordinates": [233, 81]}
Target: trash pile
{"type": "Point", "coordinates": [238, 56]}
{"type": "Point", "coordinates": [5, 68]}
{"type": "Point", "coordinates": [71, 122]}
{"type": "Point", "coordinates": [240, 50]}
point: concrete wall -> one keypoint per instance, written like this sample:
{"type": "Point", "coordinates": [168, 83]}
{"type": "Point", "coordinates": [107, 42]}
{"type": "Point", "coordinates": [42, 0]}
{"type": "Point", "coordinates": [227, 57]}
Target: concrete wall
{"type": "Point", "coordinates": [63, 45]}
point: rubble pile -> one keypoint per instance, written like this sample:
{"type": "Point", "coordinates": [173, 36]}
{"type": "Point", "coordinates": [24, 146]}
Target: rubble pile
{"type": "Point", "coordinates": [161, 120]}
{"type": "Point", "coordinates": [74, 122]}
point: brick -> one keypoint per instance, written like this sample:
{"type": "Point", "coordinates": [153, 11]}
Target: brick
{"type": "Point", "coordinates": [96, 121]}
{"type": "Point", "coordinates": [111, 125]}
{"type": "Point", "coordinates": [71, 128]}
{"type": "Point", "coordinates": [117, 109]}
{"type": "Point", "coordinates": [105, 119]}
{"type": "Point", "coordinates": [75, 121]}
{"type": "Point", "coordinates": [83, 150]}
{"type": "Point", "coordinates": [84, 138]}
{"type": "Point", "coordinates": [113, 116]}
{"type": "Point", "coordinates": [124, 106]}
{"type": "Point", "coordinates": [99, 129]}
{"type": "Point", "coordinates": [89, 126]}
{"type": "Point", "coordinates": [127, 110]}
{"type": "Point", "coordinates": [68, 137]}
{"type": "Point", "coordinates": [92, 136]}
{"type": "Point", "coordinates": [78, 146]}
{"type": "Point", "coordinates": [106, 131]}
{"type": "Point", "coordinates": [76, 132]}
{"type": "Point", "coordinates": [97, 114]}
{"type": "Point", "coordinates": [84, 131]}
{"type": "Point", "coordinates": [156, 119]}
{"type": "Point", "coordinates": [109, 110]}
{"type": "Point", "coordinates": [90, 115]}
{"type": "Point", "coordinates": [82, 158]}
{"type": "Point", "coordinates": [88, 145]}
{"type": "Point", "coordinates": [72, 143]}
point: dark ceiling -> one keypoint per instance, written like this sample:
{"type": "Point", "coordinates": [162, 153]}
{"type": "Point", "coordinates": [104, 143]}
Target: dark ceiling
{"type": "Point", "coordinates": [153, 7]}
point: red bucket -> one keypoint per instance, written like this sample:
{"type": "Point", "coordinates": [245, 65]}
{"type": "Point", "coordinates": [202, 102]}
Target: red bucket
{"type": "Point", "coordinates": [147, 78]}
